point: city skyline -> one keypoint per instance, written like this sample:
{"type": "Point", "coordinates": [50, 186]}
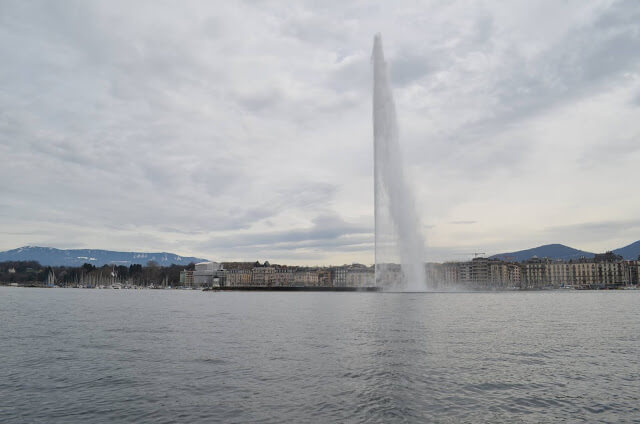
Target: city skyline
{"type": "Point", "coordinates": [244, 131]}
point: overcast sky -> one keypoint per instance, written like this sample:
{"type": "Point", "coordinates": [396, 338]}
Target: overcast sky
{"type": "Point", "coordinates": [242, 130]}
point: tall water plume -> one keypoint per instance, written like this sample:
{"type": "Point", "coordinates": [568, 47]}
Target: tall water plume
{"type": "Point", "coordinates": [399, 243]}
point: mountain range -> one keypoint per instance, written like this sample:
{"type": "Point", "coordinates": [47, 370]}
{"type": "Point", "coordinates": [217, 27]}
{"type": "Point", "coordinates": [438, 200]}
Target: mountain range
{"type": "Point", "coordinates": [50, 256]}
{"type": "Point", "coordinates": [565, 253]}
{"type": "Point", "coordinates": [76, 257]}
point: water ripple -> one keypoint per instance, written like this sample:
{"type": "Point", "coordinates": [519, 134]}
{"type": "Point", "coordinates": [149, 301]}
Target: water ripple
{"type": "Point", "coordinates": [92, 356]}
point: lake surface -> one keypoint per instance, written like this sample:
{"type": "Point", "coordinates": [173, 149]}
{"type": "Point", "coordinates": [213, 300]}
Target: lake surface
{"type": "Point", "coordinates": [94, 356]}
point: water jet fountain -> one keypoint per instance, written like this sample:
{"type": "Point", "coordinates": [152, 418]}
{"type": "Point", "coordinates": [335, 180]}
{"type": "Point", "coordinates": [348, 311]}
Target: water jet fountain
{"type": "Point", "coordinates": [399, 243]}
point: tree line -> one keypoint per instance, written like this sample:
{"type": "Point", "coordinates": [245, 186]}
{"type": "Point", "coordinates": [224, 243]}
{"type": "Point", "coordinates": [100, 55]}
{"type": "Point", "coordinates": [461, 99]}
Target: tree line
{"type": "Point", "coordinates": [31, 272]}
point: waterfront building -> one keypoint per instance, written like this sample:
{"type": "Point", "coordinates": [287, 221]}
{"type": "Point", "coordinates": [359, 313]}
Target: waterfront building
{"type": "Point", "coordinates": [611, 274]}
{"type": "Point", "coordinates": [498, 275]}
{"type": "Point", "coordinates": [514, 273]}
{"type": "Point", "coordinates": [354, 275]}
{"type": "Point", "coordinates": [239, 277]}
{"type": "Point", "coordinates": [283, 277]}
{"type": "Point", "coordinates": [559, 274]}
{"type": "Point", "coordinates": [583, 274]}
{"type": "Point", "coordinates": [465, 273]}
{"type": "Point", "coordinates": [186, 278]}
{"type": "Point", "coordinates": [339, 276]}
{"type": "Point", "coordinates": [208, 274]}
{"type": "Point", "coordinates": [479, 273]}
{"type": "Point", "coordinates": [306, 278]}
{"type": "Point", "coordinates": [633, 270]}
{"type": "Point", "coordinates": [263, 276]}
{"type": "Point", "coordinates": [451, 273]}
{"type": "Point", "coordinates": [603, 271]}
{"type": "Point", "coordinates": [360, 277]}
{"type": "Point", "coordinates": [324, 277]}
{"type": "Point", "coordinates": [534, 273]}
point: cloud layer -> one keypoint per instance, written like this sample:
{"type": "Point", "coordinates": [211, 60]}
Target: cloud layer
{"type": "Point", "coordinates": [243, 130]}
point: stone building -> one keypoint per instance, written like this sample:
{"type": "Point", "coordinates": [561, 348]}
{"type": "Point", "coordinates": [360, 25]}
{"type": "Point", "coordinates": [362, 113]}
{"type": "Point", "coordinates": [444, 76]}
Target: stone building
{"type": "Point", "coordinates": [514, 273]}
{"type": "Point", "coordinates": [283, 277]}
{"type": "Point", "coordinates": [238, 277]}
{"type": "Point", "coordinates": [559, 274]}
{"type": "Point", "coordinates": [306, 278]}
{"type": "Point", "coordinates": [605, 270]}
{"type": "Point", "coordinates": [534, 273]}
{"type": "Point", "coordinates": [339, 276]}
{"type": "Point", "coordinates": [263, 276]}
{"type": "Point", "coordinates": [325, 277]}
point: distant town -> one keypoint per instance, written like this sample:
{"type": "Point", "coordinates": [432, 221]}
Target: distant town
{"type": "Point", "coordinates": [602, 271]}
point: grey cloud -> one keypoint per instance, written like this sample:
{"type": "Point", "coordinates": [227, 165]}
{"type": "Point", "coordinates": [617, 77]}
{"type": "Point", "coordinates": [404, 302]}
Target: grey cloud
{"type": "Point", "coordinates": [339, 245]}
{"type": "Point", "coordinates": [213, 27]}
{"type": "Point", "coordinates": [258, 101]}
{"type": "Point", "coordinates": [463, 222]}
{"type": "Point", "coordinates": [326, 231]}
{"type": "Point", "coordinates": [312, 194]}
{"type": "Point", "coordinates": [454, 253]}
{"type": "Point", "coordinates": [146, 121]}
{"type": "Point", "coordinates": [407, 69]}
{"type": "Point", "coordinates": [596, 231]}
{"type": "Point", "coordinates": [598, 226]}
{"type": "Point", "coordinates": [351, 73]}
{"type": "Point", "coordinates": [317, 26]}
{"type": "Point", "coordinates": [611, 150]}
{"type": "Point", "coordinates": [588, 57]}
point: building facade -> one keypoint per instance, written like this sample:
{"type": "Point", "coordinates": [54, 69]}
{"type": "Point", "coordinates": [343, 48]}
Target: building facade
{"type": "Point", "coordinates": [208, 274]}
{"type": "Point", "coordinates": [186, 278]}
{"type": "Point", "coordinates": [603, 271]}
{"type": "Point", "coordinates": [238, 277]}
{"type": "Point", "coordinates": [263, 276]}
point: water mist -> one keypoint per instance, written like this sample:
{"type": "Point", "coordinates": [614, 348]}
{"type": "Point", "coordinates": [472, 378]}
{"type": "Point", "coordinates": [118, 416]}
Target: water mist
{"type": "Point", "coordinates": [399, 242]}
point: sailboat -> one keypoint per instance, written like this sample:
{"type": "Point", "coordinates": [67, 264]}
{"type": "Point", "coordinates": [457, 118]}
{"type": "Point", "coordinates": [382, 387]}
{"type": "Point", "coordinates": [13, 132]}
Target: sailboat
{"type": "Point", "coordinates": [114, 283]}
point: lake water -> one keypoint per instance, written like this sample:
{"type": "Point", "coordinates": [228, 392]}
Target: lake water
{"type": "Point", "coordinates": [89, 356]}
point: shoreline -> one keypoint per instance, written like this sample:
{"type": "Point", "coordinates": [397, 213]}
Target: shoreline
{"type": "Point", "coordinates": [288, 289]}
{"type": "Point", "coordinates": [366, 289]}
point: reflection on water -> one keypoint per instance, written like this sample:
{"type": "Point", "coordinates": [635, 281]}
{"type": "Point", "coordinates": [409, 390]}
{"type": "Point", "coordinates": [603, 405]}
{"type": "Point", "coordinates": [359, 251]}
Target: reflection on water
{"type": "Point", "coordinates": [166, 356]}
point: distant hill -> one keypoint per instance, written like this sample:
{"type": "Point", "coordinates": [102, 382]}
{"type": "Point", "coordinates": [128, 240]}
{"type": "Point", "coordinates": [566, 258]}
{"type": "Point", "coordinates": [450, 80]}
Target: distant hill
{"type": "Point", "coordinates": [630, 252]}
{"type": "Point", "coordinates": [76, 257]}
{"type": "Point", "coordinates": [552, 251]}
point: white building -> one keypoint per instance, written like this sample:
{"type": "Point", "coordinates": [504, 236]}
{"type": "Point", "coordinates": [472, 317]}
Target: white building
{"type": "Point", "coordinates": [207, 274]}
